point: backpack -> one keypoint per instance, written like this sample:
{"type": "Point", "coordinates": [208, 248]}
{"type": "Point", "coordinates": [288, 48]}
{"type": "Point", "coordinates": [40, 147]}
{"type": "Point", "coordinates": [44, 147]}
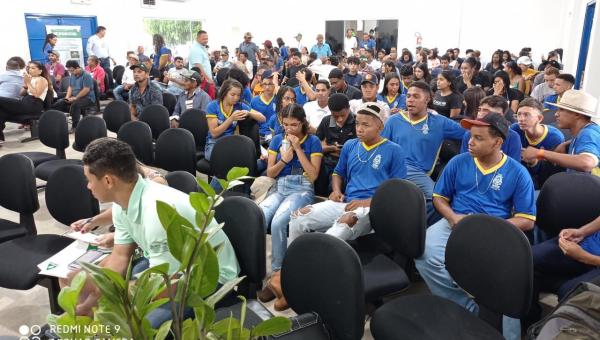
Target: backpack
{"type": "Point", "coordinates": [577, 316]}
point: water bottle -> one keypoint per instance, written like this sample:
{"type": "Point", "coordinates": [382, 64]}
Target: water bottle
{"type": "Point", "coordinates": [285, 145]}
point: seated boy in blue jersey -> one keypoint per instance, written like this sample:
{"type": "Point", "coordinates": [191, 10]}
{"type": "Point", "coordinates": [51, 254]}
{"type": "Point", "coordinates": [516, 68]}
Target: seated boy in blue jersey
{"type": "Point", "coordinates": [365, 162]}
{"type": "Point", "coordinates": [561, 263]}
{"type": "Point", "coordinates": [512, 145]}
{"type": "Point", "coordinates": [265, 103]}
{"type": "Point", "coordinates": [562, 84]}
{"type": "Point", "coordinates": [483, 181]}
{"type": "Point", "coordinates": [304, 91]}
{"type": "Point", "coordinates": [421, 134]}
{"type": "Point", "coordinates": [534, 133]}
{"type": "Point", "coordinates": [575, 112]}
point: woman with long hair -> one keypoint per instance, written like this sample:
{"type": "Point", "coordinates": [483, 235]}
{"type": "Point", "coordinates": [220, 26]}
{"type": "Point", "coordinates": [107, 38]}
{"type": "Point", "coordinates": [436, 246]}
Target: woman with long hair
{"type": "Point", "coordinates": [421, 73]}
{"type": "Point", "coordinates": [284, 97]}
{"type": "Point", "coordinates": [162, 55]}
{"type": "Point", "coordinates": [517, 81]}
{"type": "Point", "coordinates": [294, 162]}
{"type": "Point", "coordinates": [406, 58]}
{"type": "Point", "coordinates": [446, 100]}
{"type": "Point", "coordinates": [48, 46]}
{"type": "Point", "coordinates": [225, 113]}
{"type": "Point", "coordinates": [496, 64]}
{"type": "Point", "coordinates": [472, 97]}
{"type": "Point", "coordinates": [36, 87]}
{"type": "Point", "coordinates": [506, 57]}
{"type": "Point", "coordinates": [501, 87]}
{"type": "Point", "coordinates": [433, 60]}
{"type": "Point", "coordinates": [391, 93]}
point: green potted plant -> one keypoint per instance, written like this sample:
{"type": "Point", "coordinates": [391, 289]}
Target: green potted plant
{"type": "Point", "coordinates": [123, 307]}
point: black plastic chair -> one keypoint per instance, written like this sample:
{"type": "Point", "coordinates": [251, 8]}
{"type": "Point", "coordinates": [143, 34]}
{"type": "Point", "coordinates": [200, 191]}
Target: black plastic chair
{"type": "Point", "coordinates": [322, 274]}
{"type": "Point", "coordinates": [139, 136]}
{"type": "Point", "coordinates": [115, 114]}
{"type": "Point", "coordinates": [30, 119]}
{"type": "Point", "coordinates": [53, 133]}
{"type": "Point", "coordinates": [67, 197]}
{"type": "Point", "coordinates": [491, 260]}
{"type": "Point", "coordinates": [175, 150]}
{"type": "Point", "coordinates": [244, 226]}
{"type": "Point", "coordinates": [230, 151]}
{"type": "Point", "coordinates": [89, 129]}
{"type": "Point", "coordinates": [117, 73]}
{"type": "Point", "coordinates": [182, 181]}
{"type": "Point", "coordinates": [194, 121]}
{"type": "Point", "coordinates": [18, 194]}
{"type": "Point", "coordinates": [402, 228]}
{"type": "Point", "coordinates": [169, 101]}
{"type": "Point", "coordinates": [157, 117]}
{"type": "Point", "coordinates": [567, 200]}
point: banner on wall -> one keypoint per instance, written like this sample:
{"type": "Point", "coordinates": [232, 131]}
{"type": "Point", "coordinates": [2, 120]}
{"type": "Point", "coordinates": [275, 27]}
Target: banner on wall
{"type": "Point", "coordinates": [69, 43]}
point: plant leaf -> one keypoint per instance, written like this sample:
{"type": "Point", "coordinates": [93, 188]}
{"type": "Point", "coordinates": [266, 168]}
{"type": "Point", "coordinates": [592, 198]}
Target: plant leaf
{"type": "Point", "coordinates": [189, 330]}
{"type": "Point", "coordinates": [68, 296]}
{"type": "Point", "coordinates": [275, 325]}
{"type": "Point", "coordinates": [206, 187]}
{"type": "Point", "coordinates": [199, 201]}
{"type": "Point", "coordinates": [114, 277]}
{"type": "Point", "coordinates": [222, 327]}
{"type": "Point", "coordinates": [224, 290]}
{"type": "Point", "coordinates": [163, 330]}
{"type": "Point", "coordinates": [224, 185]}
{"type": "Point", "coordinates": [153, 305]}
{"type": "Point", "coordinates": [113, 319]}
{"type": "Point", "coordinates": [236, 173]}
{"type": "Point", "coordinates": [205, 314]}
{"type": "Point", "coordinates": [234, 184]}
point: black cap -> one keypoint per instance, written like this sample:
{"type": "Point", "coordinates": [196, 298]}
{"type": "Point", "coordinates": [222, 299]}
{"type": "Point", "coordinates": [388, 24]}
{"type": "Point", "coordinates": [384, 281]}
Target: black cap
{"type": "Point", "coordinates": [370, 77]}
{"type": "Point", "coordinates": [140, 66]}
{"type": "Point", "coordinates": [337, 102]}
{"type": "Point", "coordinates": [554, 64]}
{"type": "Point", "coordinates": [267, 74]}
{"type": "Point", "coordinates": [192, 75]}
{"type": "Point", "coordinates": [495, 120]}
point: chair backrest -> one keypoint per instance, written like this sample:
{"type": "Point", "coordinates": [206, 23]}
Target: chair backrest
{"type": "Point", "coordinates": [169, 101]}
{"type": "Point", "coordinates": [182, 181]}
{"type": "Point", "coordinates": [17, 184]}
{"type": "Point", "coordinates": [194, 121]}
{"type": "Point", "coordinates": [491, 260]}
{"type": "Point", "coordinates": [64, 84]}
{"type": "Point", "coordinates": [176, 150]}
{"type": "Point", "coordinates": [245, 228]}
{"type": "Point", "coordinates": [230, 151]}
{"type": "Point", "coordinates": [139, 136]}
{"type": "Point", "coordinates": [89, 129]}
{"type": "Point", "coordinates": [115, 114]}
{"type": "Point", "coordinates": [108, 76]}
{"type": "Point", "coordinates": [67, 196]}
{"type": "Point", "coordinates": [48, 102]}
{"type": "Point", "coordinates": [568, 200]}
{"type": "Point", "coordinates": [118, 74]}
{"type": "Point", "coordinates": [97, 95]}
{"type": "Point", "coordinates": [157, 116]}
{"type": "Point", "coordinates": [54, 130]}
{"type": "Point", "coordinates": [398, 216]}
{"type": "Point", "coordinates": [322, 274]}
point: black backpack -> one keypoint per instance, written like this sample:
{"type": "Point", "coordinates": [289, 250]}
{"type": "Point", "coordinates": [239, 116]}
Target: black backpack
{"type": "Point", "coordinates": [577, 316]}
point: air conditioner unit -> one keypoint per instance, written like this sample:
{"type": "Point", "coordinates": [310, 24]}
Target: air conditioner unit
{"type": "Point", "coordinates": [148, 3]}
{"type": "Point", "coordinates": [81, 2]}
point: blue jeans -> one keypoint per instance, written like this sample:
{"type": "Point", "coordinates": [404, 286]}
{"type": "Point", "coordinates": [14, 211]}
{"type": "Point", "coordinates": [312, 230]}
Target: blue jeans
{"type": "Point", "coordinates": [120, 93]}
{"type": "Point", "coordinates": [289, 194]}
{"type": "Point", "coordinates": [432, 267]}
{"type": "Point", "coordinates": [426, 184]}
{"type": "Point", "coordinates": [174, 90]}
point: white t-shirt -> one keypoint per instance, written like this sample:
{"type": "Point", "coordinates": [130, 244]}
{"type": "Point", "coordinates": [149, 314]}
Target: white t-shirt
{"type": "Point", "coordinates": [349, 44]}
{"type": "Point", "coordinates": [175, 73]}
{"type": "Point", "coordinates": [315, 113]}
{"type": "Point", "coordinates": [97, 46]}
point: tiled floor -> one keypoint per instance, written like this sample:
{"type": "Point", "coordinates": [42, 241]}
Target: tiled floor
{"type": "Point", "coordinates": [31, 307]}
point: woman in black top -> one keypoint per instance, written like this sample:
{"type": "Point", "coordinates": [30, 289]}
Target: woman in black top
{"type": "Point", "coordinates": [446, 101]}
{"type": "Point", "coordinates": [496, 64]}
{"type": "Point", "coordinates": [501, 87]}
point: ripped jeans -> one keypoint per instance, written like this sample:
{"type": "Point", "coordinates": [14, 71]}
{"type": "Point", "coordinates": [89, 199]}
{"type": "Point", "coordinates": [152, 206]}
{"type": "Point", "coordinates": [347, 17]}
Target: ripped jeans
{"type": "Point", "coordinates": [324, 217]}
{"type": "Point", "coordinates": [289, 194]}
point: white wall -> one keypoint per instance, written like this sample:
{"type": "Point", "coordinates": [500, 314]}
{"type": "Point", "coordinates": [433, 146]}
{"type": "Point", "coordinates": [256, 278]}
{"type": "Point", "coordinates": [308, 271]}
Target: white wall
{"type": "Point", "coordinates": [485, 25]}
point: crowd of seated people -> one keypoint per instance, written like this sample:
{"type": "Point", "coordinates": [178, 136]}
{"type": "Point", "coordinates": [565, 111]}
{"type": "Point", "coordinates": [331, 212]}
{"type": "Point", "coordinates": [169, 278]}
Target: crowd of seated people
{"type": "Point", "coordinates": [473, 136]}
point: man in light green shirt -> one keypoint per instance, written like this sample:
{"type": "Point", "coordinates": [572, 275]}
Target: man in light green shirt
{"type": "Point", "coordinates": [111, 169]}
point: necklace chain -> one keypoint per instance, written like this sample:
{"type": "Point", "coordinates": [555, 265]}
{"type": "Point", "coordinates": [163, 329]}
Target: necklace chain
{"type": "Point", "coordinates": [368, 159]}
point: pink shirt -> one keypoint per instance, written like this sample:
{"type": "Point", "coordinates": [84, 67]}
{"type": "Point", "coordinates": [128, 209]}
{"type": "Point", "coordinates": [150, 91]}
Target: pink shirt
{"type": "Point", "coordinates": [54, 70]}
{"type": "Point", "coordinates": [98, 75]}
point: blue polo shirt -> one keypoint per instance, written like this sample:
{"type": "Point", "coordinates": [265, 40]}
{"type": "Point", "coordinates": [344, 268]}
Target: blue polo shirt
{"type": "Point", "coordinates": [247, 96]}
{"type": "Point", "coordinates": [510, 147]}
{"type": "Point", "coordinates": [353, 80]}
{"type": "Point", "coordinates": [553, 98]}
{"type": "Point", "coordinates": [591, 243]}
{"type": "Point", "coordinates": [587, 142]}
{"type": "Point", "coordinates": [504, 190]}
{"type": "Point", "coordinates": [215, 110]}
{"type": "Point", "coordinates": [421, 139]}
{"type": "Point", "coordinates": [322, 50]}
{"type": "Point", "coordinates": [398, 101]}
{"type": "Point", "coordinates": [301, 97]}
{"type": "Point", "coordinates": [266, 108]}
{"type": "Point", "coordinates": [275, 126]}
{"type": "Point", "coordinates": [311, 145]}
{"type": "Point", "coordinates": [369, 44]}
{"type": "Point", "coordinates": [364, 168]}
{"type": "Point", "coordinates": [549, 140]}
{"type": "Point", "coordinates": [77, 83]}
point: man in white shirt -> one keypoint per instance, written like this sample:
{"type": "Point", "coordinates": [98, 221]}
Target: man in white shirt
{"type": "Point", "coordinates": [317, 109]}
{"type": "Point", "coordinates": [298, 44]}
{"type": "Point", "coordinates": [121, 92]}
{"type": "Point", "coordinates": [176, 84]}
{"type": "Point", "coordinates": [98, 46]}
{"type": "Point", "coordinates": [244, 64]}
{"type": "Point", "coordinates": [369, 87]}
{"type": "Point", "coordinates": [350, 42]}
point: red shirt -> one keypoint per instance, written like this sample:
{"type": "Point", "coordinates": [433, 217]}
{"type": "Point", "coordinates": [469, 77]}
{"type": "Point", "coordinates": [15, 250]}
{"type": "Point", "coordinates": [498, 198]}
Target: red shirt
{"type": "Point", "coordinates": [98, 75]}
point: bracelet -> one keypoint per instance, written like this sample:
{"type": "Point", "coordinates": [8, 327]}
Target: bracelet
{"type": "Point", "coordinates": [540, 154]}
{"type": "Point", "coordinates": [284, 162]}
